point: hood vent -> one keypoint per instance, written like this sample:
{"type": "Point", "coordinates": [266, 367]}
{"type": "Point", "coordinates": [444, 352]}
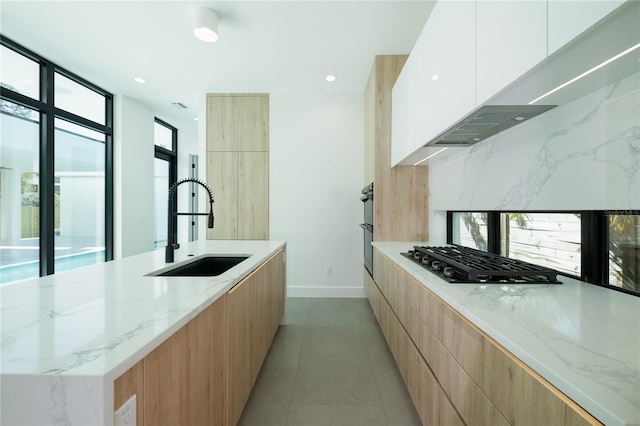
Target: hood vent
{"type": "Point", "coordinates": [484, 122]}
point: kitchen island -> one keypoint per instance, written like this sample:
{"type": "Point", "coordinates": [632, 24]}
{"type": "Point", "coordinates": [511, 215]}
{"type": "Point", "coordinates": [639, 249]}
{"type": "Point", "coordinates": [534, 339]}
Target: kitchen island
{"type": "Point", "coordinates": [68, 337]}
{"type": "Point", "coordinates": [494, 349]}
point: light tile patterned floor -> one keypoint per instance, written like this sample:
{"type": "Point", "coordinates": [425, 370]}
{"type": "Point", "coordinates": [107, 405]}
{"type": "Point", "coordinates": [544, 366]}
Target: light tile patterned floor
{"type": "Point", "coordinates": [329, 366]}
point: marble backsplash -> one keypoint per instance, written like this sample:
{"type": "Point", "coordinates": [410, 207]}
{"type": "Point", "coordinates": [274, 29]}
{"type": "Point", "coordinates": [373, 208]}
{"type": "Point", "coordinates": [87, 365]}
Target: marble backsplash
{"type": "Point", "coordinates": [584, 155]}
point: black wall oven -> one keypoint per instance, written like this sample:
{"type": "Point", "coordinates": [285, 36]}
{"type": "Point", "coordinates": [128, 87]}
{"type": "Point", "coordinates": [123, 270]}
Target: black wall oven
{"type": "Point", "coordinates": [367, 226]}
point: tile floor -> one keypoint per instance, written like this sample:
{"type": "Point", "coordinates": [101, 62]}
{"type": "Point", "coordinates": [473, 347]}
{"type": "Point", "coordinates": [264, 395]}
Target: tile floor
{"type": "Point", "coordinates": [330, 365]}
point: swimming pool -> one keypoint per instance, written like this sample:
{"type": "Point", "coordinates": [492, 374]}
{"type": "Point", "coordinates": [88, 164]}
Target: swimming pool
{"type": "Point", "coordinates": [23, 271]}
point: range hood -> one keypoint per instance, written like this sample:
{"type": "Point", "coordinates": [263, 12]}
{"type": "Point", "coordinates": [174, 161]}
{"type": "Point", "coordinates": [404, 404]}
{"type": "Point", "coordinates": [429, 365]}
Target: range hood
{"type": "Point", "coordinates": [582, 66]}
{"type": "Point", "coordinates": [484, 122]}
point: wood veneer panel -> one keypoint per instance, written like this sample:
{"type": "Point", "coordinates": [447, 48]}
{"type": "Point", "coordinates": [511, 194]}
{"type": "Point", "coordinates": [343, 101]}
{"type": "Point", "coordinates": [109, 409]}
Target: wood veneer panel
{"type": "Point", "coordinates": [222, 178]}
{"type": "Point", "coordinates": [129, 384]}
{"type": "Point", "coordinates": [253, 196]}
{"type": "Point", "coordinates": [184, 378]}
{"type": "Point", "coordinates": [252, 115]}
{"type": "Point", "coordinates": [401, 196]}
{"type": "Point", "coordinates": [222, 132]}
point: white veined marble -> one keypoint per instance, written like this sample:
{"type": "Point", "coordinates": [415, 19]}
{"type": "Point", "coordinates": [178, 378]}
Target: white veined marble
{"type": "Point", "coordinates": [581, 156]}
{"type": "Point", "coordinates": [583, 339]}
{"type": "Point", "coordinates": [67, 337]}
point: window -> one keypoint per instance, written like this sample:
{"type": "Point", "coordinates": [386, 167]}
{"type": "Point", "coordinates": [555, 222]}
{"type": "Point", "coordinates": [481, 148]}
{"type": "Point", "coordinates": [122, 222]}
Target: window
{"type": "Point", "coordinates": [600, 247]}
{"type": "Point", "coordinates": [56, 172]}
{"type": "Point", "coordinates": [165, 138]}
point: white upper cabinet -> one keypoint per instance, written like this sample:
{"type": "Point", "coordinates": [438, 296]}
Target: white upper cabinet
{"type": "Point", "coordinates": [437, 84]}
{"type": "Point", "coordinates": [569, 18]}
{"type": "Point", "coordinates": [511, 39]}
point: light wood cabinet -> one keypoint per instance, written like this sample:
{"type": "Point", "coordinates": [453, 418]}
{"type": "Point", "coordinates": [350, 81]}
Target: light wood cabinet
{"type": "Point", "coordinates": [454, 372]}
{"type": "Point", "coordinates": [398, 186]}
{"type": "Point", "coordinates": [238, 165]}
{"type": "Point", "coordinates": [204, 373]}
{"type": "Point", "coordinates": [183, 381]}
{"type": "Point", "coordinates": [256, 307]}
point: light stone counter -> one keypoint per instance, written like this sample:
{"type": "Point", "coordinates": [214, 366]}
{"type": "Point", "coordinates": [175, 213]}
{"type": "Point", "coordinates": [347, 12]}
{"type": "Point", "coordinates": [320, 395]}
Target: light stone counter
{"type": "Point", "coordinates": [583, 339]}
{"type": "Point", "coordinates": [67, 337]}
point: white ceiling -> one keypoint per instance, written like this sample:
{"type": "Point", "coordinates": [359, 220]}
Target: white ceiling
{"type": "Point", "coordinates": [264, 46]}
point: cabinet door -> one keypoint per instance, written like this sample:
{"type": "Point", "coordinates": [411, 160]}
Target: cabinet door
{"type": "Point", "coordinates": [221, 125]}
{"type": "Point", "coordinates": [252, 117]}
{"type": "Point", "coordinates": [445, 69]}
{"type": "Point", "coordinates": [222, 178]}
{"type": "Point", "coordinates": [511, 39]}
{"type": "Point", "coordinates": [253, 196]}
{"type": "Point", "coordinates": [568, 19]}
{"type": "Point", "coordinates": [185, 377]}
{"type": "Point", "coordinates": [240, 372]}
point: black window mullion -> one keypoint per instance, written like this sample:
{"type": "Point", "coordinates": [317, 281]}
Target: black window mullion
{"type": "Point", "coordinates": [46, 175]}
{"type": "Point", "coordinates": [595, 236]}
{"type": "Point", "coordinates": [493, 232]}
{"type": "Point", "coordinates": [109, 177]}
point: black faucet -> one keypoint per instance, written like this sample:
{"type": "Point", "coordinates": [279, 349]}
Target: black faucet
{"type": "Point", "coordinates": [172, 192]}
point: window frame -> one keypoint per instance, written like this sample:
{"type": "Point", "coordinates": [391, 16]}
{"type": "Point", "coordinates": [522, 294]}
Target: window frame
{"type": "Point", "coordinates": [48, 114]}
{"type": "Point", "coordinates": [594, 235]}
{"type": "Point", "coordinates": [171, 156]}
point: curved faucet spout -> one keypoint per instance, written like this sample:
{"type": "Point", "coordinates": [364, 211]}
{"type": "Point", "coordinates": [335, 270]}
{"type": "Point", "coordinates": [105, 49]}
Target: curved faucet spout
{"type": "Point", "coordinates": [171, 246]}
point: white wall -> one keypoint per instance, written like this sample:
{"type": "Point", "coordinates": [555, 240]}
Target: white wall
{"type": "Point", "coordinates": [583, 155]}
{"type": "Point", "coordinates": [133, 176]}
{"type": "Point", "coordinates": [316, 169]}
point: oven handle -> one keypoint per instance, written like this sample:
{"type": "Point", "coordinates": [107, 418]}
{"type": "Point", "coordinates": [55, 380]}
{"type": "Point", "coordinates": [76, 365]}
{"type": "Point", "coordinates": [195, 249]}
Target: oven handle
{"type": "Point", "coordinates": [366, 227]}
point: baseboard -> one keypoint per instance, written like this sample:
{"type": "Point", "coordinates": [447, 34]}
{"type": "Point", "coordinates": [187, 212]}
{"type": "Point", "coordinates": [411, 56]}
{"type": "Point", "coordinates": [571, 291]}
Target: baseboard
{"type": "Point", "coordinates": [346, 292]}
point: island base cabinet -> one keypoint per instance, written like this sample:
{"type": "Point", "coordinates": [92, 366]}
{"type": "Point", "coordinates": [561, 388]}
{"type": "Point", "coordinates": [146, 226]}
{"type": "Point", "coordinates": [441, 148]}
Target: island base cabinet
{"type": "Point", "coordinates": [256, 307]}
{"type": "Point", "coordinates": [454, 372]}
{"type": "Point", "coordinates": [203, 374]}
{"type": "Point", "coordinates": [183, 381]}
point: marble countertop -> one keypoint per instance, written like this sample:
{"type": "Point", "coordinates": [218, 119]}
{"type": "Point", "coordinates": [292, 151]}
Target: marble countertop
{"type": "Point", "coordinates": [68, 336]}
{"type": "Point", "coordinates": [583, 339]}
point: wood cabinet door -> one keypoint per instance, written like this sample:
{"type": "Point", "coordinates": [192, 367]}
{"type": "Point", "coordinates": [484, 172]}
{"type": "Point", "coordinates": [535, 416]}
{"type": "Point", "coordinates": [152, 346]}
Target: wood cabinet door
{"type": "Point", "coordinates": [253, 196]}
{"type": "Point", "coordinates": [252, 117]}
{"type": "Point", "coordinates": [185, 377]}
{"type": "Point", "coordinates": [222, 178]}
{"type": "Point", "coordinates": [222, 132]}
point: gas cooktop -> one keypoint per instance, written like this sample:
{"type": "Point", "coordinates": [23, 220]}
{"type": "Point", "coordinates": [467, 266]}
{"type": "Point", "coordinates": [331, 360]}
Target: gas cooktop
{"type": "Point", "coordinates": [458, 264]}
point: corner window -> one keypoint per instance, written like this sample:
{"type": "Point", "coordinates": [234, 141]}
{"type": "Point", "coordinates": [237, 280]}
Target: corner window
{"type": "Point", "coordinates": [56, 171]}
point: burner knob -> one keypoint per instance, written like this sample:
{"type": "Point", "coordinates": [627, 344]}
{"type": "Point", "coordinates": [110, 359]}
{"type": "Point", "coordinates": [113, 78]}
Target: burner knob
{"type": "Point", "coordinates": [483, 278]}
{"type": "Point", "coordinates": [425, 260]}
{"type": "Point", "coordinates": [417, 255]}
{"type": "Point", "coordinates": [436, 265]}
{"type": "Point", "coordinates": [448, 271]}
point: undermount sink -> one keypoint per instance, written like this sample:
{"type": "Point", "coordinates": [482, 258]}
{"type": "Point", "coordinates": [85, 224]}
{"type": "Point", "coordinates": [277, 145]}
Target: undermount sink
{"type": "Point", "coordinates": [208, 266]}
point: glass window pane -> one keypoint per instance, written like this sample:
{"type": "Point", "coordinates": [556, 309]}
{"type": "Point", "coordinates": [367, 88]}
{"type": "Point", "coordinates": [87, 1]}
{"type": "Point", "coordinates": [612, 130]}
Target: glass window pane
{"type": "Point", "coordinates": [624, 251]}
{"type": "Point", "coordinates": [470, 230]}
{"type": "Point", "coordinates": [78, 99]}
{"type": "Point", "coordinates": [19, 74]}
{"type": "Point", "coordinates": [161, 191]}
{"type": "Point", "coordinates": [547, 239]}
{"type": "Point", "coordinates": [79, 198]}
{"type": "Point", "coordinates": [19, 193]}
{"type": "Point", "coordinates": [162, 136]}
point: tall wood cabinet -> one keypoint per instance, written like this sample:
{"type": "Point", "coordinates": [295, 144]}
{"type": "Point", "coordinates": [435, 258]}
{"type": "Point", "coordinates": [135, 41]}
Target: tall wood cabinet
{"type": "Point", "coordinates": [238, 165]}
{"type": "Point", "coordinates": [401, 196]}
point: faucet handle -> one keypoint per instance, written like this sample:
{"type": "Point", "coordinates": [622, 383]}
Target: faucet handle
{"type": "Point", "coordinates": [176, 246]}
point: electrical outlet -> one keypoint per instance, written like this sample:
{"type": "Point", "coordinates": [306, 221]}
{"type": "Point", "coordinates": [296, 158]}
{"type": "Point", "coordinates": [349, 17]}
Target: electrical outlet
{"type": "Point", "coordinates": [126, 414]}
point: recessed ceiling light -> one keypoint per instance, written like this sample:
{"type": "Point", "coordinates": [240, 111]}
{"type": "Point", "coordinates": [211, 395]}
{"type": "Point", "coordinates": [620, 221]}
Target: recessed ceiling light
{"type": "Point", "coordinates": [330, 78]}
{"type": "Point", "coordinates": [195, 118]}
{"type": "Point", "coordinates": [518, 118]}
{"type": "Point", "coordinates": [435, 77]}
{"type": "Point", "coordinates": [139, 80]}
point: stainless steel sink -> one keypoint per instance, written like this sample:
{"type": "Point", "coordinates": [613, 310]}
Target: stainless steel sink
{"type": "Point", "coordinates": [208, 266]}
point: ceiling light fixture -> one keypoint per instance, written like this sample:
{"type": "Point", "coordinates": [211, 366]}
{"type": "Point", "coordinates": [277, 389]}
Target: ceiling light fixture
{"type": "Point", "coordinates": [330, 78]}
{"type": "Point", "coordinates": [206, 25]}
{"type": "Point", "coordinates": [140, 80]}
